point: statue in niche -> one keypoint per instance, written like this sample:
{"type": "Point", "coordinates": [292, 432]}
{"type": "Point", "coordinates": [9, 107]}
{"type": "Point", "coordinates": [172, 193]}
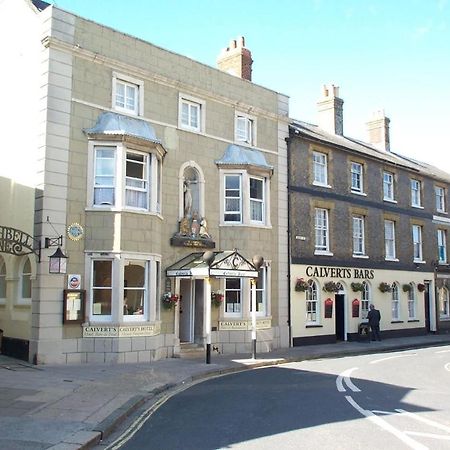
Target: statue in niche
{"type": "Point", "coordinates": [204, 229]}
{"type": "Point", "coordinates": [195, 226]}
{"type": "Point", "coordinates": [185, 226]}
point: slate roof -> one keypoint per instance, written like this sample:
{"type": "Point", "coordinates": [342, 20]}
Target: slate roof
{"type": "Point", "coordinates": [315, 133]}
{"type": "Point", "coordinates": [40, 5]}
{"type": "Point", "coordinates": [242, 156]}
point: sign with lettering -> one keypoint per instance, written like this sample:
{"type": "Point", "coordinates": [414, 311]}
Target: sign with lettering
{"type": "Point", "coordinates": [339, 272]}
{"type": "Point", "coordinates": [122, 331]}
{"type": "Point", "coordinates": [230, 325]}
{"type": "Point", "coordinates": [16, 242]}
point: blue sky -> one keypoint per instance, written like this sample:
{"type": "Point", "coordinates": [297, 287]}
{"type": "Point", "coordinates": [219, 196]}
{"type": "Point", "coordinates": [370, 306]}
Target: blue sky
{"type": "Point", "coordinates": [384, 54]}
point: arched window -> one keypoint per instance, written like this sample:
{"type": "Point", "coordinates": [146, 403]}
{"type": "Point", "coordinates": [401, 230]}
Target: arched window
{"type": "Point", "coordinates": [312, 302]}
{"type": "Point", "coordinates": [2, 279]}
{"type": "Point", "coordinates": [411, 302]}
{"type": "Point", "coordinates": [395, 302]}
{"type": "Point", "coordinates": [444, 307]}
{"type": "Point", "coordinates": [365, 300]}
{"type": "Point", "coordinates": [25, 282]}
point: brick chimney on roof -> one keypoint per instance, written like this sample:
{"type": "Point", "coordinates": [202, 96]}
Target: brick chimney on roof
{"type": "Point", "coordinates": [330, 110]}
{"type": "Point", "coordinates": [378, 131]}
{"type": "Point", "coordinates": [236, 59]}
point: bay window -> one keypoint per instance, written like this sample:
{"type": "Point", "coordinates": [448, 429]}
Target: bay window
{"type": "Point", "coordinates": [233, 297]}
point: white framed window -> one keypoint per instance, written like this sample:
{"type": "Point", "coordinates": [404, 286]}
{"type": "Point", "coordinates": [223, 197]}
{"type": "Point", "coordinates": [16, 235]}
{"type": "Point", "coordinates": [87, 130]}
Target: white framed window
{"type": "Point", "coordinates": [124, 178]}
{"type": "Point", "coordinates": [135, 281]}
{"type": "Point", "coordinates": [357, 177]}
{"type": "Point", "coordinates": [245, 129]}
{"type": "Point", "coordinates": [416, 193]}
{"type": "Point", "coordinates": [322, 243]}
{"type": "Point", "coordinates": [440, 198]}
{"type": "Point", "coordinates": [123, 287]}
{"type": "Point", "coordinates": [233, 297]}
{"type": "Point", "coordinates": [261, 292]}
{"type": "Point", "coordinates": [320, 169]}
{"type": "Point", "coordinates": [389, 240]}
{"type": "Point", "coordinates": [417, 243]}
{"type": "Point", "coordinates": [358, 235]}
{"type": "Point", "coordinates": [411, 302]}
{"type": "Point", "coordinates": [395, 302]}
{"type": "Point", "coordinates": [2, 281]}
{"type": "Point", "coordinates": [256, 199]}
{"type": "Point", "coordinates": [245, 199]}
{"type": "Point", "coordinates": [312, 303]}
{"type": "Point", "coordinates": [233, 198]}
{"type": "Point", "coordinates": [25, 282]}
{"type": "Point", "coordinates": [442, 246]}
{"type": "Point", "coordinates": [127, 94]}
{"type": "Point", "coordinates": [388, 186]}
{"type": "Point", "coordinates": [366, 299]}
{"type": "Point", "coordinates": [191, 114]}
{"type": "Point", "coordinates": [444, 306]}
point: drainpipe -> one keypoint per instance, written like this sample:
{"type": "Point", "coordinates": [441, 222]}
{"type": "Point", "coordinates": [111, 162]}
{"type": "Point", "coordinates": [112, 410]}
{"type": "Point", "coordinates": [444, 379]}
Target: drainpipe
{"type": "Point", "coordinates": [289, 238]}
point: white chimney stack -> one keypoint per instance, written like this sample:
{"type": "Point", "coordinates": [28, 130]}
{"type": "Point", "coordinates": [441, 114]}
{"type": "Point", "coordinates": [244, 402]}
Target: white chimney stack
{"type": "Point", "coordinates": [378, 131]}
{"type": "Point", "coordinates": [330, 110]}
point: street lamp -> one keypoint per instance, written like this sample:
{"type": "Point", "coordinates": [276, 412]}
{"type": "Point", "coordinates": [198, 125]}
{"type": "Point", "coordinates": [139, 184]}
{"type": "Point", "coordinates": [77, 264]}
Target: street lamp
{"type": "Point", "coordinates": [208, 257]}
{"type": "Point", "coordinates": [257, 262]}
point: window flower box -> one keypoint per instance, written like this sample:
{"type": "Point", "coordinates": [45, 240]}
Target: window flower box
{"type": "Point", "coordinates": [301, 285]}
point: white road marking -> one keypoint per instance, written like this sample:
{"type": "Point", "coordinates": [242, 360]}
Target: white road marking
{"type": "Point", "coordinates": [345, 376]}
{"type": "Point", "coordinates": [376, 361]}
{"type": "Point", "coordinates": [429, 435]}
{"type": "Point", "coordinates": [447, 367]}
{"type": "Point", "coordinates": [383, 424]}
{"type": "Point", "coordinates": [443, 351]}
{"type": "Point", "coordinates": [424, 420]}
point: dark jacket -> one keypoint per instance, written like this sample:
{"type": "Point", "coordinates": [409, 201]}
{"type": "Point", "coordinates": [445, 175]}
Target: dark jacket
{"type": "Point", "coordinates": [374, 317]}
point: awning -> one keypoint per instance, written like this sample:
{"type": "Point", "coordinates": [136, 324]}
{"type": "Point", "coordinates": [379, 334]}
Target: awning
{"type": "Point", "coordinates": [227, 264]}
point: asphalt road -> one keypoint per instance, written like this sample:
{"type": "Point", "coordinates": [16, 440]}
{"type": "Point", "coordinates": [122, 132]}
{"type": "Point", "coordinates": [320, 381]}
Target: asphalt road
{"type": "Point", "coordinates": [387, 400]}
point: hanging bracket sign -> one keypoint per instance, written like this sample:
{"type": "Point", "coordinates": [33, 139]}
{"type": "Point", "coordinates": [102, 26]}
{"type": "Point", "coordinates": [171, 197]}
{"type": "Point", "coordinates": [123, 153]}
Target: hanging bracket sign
{"type": "Point", "coordinates": [17, 242]}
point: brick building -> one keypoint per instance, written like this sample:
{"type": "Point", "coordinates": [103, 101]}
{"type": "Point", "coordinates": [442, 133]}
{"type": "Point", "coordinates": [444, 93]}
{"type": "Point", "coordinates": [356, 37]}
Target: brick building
{"type": "Point", "coordinates": [142, 160]}
{"type": "Point", "coordinates": [367, 225]}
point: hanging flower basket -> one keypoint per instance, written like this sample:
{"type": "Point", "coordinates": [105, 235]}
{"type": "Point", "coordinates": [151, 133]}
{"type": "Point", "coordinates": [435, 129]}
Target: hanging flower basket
{"type": "Point", "coordinates": [330, 286]}
{"type": "Point", "coordinates": [385, 287]}
{"type": "Point", "coordinates": [420, 287]}
{"type": "Point", "coordinates": [357, 287]}
{"type": "Point", "coordinates": [406, 287]}
{"type": "Point", "coordinates": [301, 285]}
{"type": "Point", "coordinates": [169, 300]}
{"type": "Point", "coordinates": [217, 298]}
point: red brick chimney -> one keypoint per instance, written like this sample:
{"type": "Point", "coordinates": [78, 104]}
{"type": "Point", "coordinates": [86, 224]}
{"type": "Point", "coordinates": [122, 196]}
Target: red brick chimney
{"type": "Point", "coordinates": [236, 59]}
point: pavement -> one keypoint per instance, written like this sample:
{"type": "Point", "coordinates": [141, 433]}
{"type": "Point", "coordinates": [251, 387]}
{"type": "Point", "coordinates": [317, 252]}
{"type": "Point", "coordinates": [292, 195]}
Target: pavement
{"type": "Point", "coordinates": [76, 406]}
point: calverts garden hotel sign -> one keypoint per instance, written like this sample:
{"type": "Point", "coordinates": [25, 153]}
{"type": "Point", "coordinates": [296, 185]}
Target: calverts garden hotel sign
{"type": "Point", "coordinates": [339, 272]}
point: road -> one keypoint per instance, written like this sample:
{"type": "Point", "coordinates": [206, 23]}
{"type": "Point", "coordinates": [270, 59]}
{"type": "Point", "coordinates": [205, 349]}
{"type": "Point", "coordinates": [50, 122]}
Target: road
{"type": "Point", "coordinates": [387, 400]}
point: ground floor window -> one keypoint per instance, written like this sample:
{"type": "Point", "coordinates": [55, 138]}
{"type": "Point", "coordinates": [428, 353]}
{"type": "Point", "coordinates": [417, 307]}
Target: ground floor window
{"type": "Point", "coordinates": [395, 302]}
{"type": "Point", "coordinates": [444, 308]}
{"type": "Point", "coordinates": [365, 300]}
{"type": "Point", "coordinates": [124, 288]}
{"type": "Point", "coordinates": [411, 302]}
{"type": "Point", "coordinates": [312, 303]}
{"type": "Point", "coordinates": [233, 296]}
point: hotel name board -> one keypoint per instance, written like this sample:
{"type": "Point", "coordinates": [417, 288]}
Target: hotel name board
{"type": "Point", "coordinates": [229, 325]}
{"type": "Point", "coordinates": [121, 331]}
{"type": "Point", "coordinates": [339, 272]}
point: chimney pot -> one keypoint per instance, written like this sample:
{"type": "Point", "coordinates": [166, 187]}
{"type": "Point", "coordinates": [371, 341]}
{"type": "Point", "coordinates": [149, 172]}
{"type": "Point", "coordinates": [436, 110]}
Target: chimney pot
{"type": "Point", "coordinates": [236, 59]}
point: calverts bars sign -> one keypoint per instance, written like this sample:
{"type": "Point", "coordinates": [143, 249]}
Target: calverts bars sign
{"type": "Point", "coordinates": [339, 272]}
{"type": "Point", "coordinates": [16, 242]}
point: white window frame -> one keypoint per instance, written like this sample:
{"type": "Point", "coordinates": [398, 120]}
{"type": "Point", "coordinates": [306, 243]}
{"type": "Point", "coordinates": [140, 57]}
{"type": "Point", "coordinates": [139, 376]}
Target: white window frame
{"type": "Point", "coordinates": [144, 288]}
{"type": "Point", "coordinates": [395, 302]}
{"type": "Point", "coordinates": [321, 231]}
{"type": "Point", "coordinates": [357, 177]}
{"type": "Point", "coordinates": [442, 244]}
{"type": "Point", "coordinates": [3, 277]}
{"type": "Point", "coordinates": [366, 299]}
{"type": "Point", "coordinates": [389, 240]}
{"type": "Point", "coordinates": [417, 243]}
{"type": "Point", "coordinates": [191, 103]}
{"type": "Point", "coordinates": [153, 178]}
{"type": "Point", "coordinates": [320, 169]}
{"type": "Point", "coordinates": [312, 304]}
{"type": "Point", "coordinates": [411, 302]}
{"type": "Point", "coordinates": [22, 300]}
{"type": "Point", "coordinates": [244, 199]}
{"type": "Point", "coordinates": [258, 201]}
{"type": "Point", "coordinates": [245, 128]}
{"type": "Point", "coordinates": [240, 292]}
{"type": "Point", "coordinates": [440, 199]}
{"type": "Point", "coordinates": [138, 85]}
{"type": "Point", "coordinates": [388, 186]}
{"type": "Point", "coordinates": [358, 235]}
{"type": "Point", "coordinates": [226, 191]}
{"type": "Point", "coordinates": [261, 291]}
{"type": "Point", "coordinates": [416, 194]}
{"type": "Point", "coordinates": [444, 303]}
{"type": "Point", "coordinates": [117, 286]}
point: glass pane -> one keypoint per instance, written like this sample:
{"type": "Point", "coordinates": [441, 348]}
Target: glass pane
{"type": "Point", "coordinates": [185, 114]}
{"type": "Point", "coordinates": [256, 189]}
{"type": "Point", "coordinates": [101, 302]}
{"type": "Point", "coordinates": [232, 182]}
{"type": "Point", "coordinates": [102, 273]}
{"type": "Point", "coordinates": [134, 274]}
{"type": "Point", "coordinates": [232, 204]}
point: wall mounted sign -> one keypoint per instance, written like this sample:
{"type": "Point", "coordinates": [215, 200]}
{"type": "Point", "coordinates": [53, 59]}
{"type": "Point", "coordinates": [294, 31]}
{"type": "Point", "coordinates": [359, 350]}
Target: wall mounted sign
{"type": "Point", "coordinates": [230, 325]}
{"type": "Point", "coordinates": [355, 308]}
{"type": "Point", "coordinates": [17, 242]}
{"type": "Point", "coordinates": [339, 272]}
{"type": "Point", "coordinates": [73, 281]}
{"type": "Point", "coordinates": [328, 308]}
{"type": "Point", "coordinates": [121, 331]}
{"type": "Point", "coordinates": [73, 306]}
{"type": "Point", "coordinates": [75, 231]}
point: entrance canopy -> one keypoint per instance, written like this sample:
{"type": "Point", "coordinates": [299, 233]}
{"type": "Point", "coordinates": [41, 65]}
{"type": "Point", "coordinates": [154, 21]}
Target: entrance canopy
{"type": "Point", "coordinates": [227, 264]}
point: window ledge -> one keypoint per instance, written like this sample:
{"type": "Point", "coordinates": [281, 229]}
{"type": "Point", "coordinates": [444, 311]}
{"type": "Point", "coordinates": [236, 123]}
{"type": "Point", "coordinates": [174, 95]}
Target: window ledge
{"type": "Point", "coordinates": [419, 261]}
{"type": "Point", "coordinates": [397, 321]}
{"type": "Point", "coordinates": [442, 263]}
{"type": "Point", "coordinates": [124, 211]}
{"type": "Point", "coordinates": [442, 212]}
{"type": "Point", "coordinates": [313, 326]}
{"type": "Point", "coordinates": [248, 225]}
{"type": "Point", "coordinates": [362, 194]}
{"type": "Point", "coordinates": [315, 183]}
{"type": "Point", "coordinates": [360, 256]}
{"type": "Point", "coordinates": [389, 200]}
{"type": "Point", "coordinates": [417, 206]}
{"type": "Point", "coordinates": [413, 320]}
{"type": "Point", "coordinates": [392, 259]}
{"type": "Point", "coordinates": [323, 253]}
{"type": "Point", "coordinates": [191, 130]}
{"type": "Point", "coordinates": [444, 318]}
